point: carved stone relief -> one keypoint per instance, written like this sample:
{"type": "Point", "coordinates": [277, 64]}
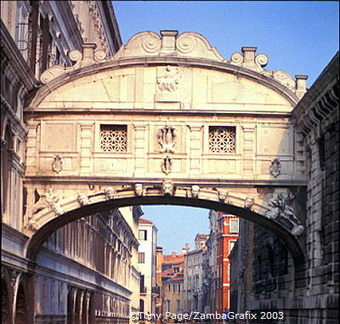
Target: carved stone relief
{"type": "Point", "coordinates": [275, 168]}
{"type": "Point", "coordinates": [222, 196]}
{"type": "Point", "coordinates": [168, 188]}
{"type": "Point", "coordinates": [139, 189]}
{"type": "Point", "coordinates": [282, 209]}
{"type": "Point", "coordinates": [249, 202]}
{"type": "Point", "coordinates": [166, 137]}
{"type": "Point", "coordinates": [83, 199]}
{"type": "Point", "coordinates": [57, 164]}
{"type": "Point", "coordinates": [110, 193]}
{"type": "Point", "coordinates": [168, 79]}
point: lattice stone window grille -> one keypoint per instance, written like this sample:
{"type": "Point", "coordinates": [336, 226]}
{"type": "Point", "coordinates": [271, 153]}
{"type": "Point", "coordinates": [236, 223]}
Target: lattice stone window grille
{"type": "Point", "coordinates": [113, 138]}
{"type": "Point", "coordinates": [222, 139]}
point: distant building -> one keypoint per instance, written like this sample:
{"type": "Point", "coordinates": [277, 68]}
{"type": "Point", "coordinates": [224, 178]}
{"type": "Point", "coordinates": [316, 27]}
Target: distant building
{"type": "Point", "coordinates": [147, 237]}
{"type": "Point", "coordinates": [216, 264]}
{"type": "Point", "coordinates": [193, 276]}
{"type": "Point", "coordinates": [173, 278]}
{"type": "Point", "coordinates": [159, 284]}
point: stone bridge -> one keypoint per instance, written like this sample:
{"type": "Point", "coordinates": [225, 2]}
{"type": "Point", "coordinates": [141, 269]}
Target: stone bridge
{"type": "Point", "coordinates": [167, 120]}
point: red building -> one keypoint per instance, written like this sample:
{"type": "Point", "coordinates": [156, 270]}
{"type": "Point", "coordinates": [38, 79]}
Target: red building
{"type": "Point", "coordinates": [226, 229]}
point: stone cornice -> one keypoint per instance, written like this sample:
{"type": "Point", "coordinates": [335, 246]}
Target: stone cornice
{"type": "Point", "coordinates": [251, 183]}
{"type": "Point", "coordinates": [322, 100]}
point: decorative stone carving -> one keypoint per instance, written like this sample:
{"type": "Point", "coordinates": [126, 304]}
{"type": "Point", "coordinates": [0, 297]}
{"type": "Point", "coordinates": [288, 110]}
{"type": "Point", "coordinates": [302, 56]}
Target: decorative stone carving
{"type": "Point", "coordinates": [281, 208]}
{"type": "Point", "coordinates": [57, 70]}
{"type": "Point", "coordinates": [168, 81]}
{"type": "Point", "coordinates": [110, 193]}
{"type": "Point", "coordinates": [285, 79]}
{"type": "Point", "coordinates": [167, 188]}
{"type": "Point", "coordinates": [139, 190]}
{"type": "Point", "coordinates": [57, 164]}
{"type": "Point", "coordinates": [33, 225]}
{"type": "Point", "coordinates": [195, 189]}
{"type": "Point", "coordinates": [222, 196]}
{"type": "Point", "coordinates": [50, 200]}
{"type": "Point", "coordinates": [167, 139]}
{"type": "Point", "coordinates": [188, 44]}
{"type": "Point", "coordinates": [167, 164]}
{"type": "Point", "coordinates": [275, 167]}
{"type": "Point", "coordinates": [83, 199]}
{"type": "Point", "coordinates": [249, 202]}
{"type": "Point", "coordinates": [248, 59]}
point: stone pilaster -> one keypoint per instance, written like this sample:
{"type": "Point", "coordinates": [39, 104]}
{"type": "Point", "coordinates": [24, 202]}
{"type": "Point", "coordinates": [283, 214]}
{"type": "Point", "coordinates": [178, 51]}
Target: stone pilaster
{"type": "Point", "coordinates": [140, 149]}
{"type": "Point", "coordinates": [32, 149]}
{"type": "Point", "coordinates": [248, 150]}
{"type": "Point", "coordinates": [195, 149]}
{"type": "Point", "coordinates": [86, 131]}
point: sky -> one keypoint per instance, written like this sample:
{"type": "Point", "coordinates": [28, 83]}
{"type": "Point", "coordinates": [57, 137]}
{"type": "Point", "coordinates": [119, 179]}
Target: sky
{"type": "Point", "coordinates": [299, 37]}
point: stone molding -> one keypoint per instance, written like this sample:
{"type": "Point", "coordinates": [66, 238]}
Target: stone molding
{"type": "Point", "coordinates": [314, 112]}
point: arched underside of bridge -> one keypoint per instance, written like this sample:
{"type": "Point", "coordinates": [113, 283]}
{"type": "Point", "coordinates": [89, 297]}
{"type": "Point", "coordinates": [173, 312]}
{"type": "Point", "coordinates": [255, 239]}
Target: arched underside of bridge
{"type": "Point", "coordinates": [290, 240]}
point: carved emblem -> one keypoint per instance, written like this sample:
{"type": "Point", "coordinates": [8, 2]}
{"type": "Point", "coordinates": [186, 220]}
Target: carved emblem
{"type": "Point", "coordinates": [167, 188]}
{"type": "Point", "coordinates": [168, 81]}
{"type": "Point", "coordinates": [282, 209]}
{"type": "Point", "coordinates": [167, 164]}
{"type": "Point", "coordinates": [275, 167]}
{"type": "Point", "coordinates": [57, 164]}
{"type": "Point", "coordinates": [166, 137]}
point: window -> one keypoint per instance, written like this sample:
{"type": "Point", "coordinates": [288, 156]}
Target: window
{"type": "Point", "coordinates": [222, 139]}
{"type": "Point", "coordinates": [141, 257]}
{"type": "Point", "coordinates": [142, 235]}
{"type": "Point", "coordinates": [234, 226]}
{"type": "Point", "coordinates": [231, 245]}
{"type": "Point", "coordinates": [113, 138]}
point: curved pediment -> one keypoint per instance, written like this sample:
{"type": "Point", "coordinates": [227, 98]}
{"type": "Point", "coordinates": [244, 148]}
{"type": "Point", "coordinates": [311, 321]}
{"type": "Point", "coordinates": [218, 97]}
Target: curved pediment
{"type": "Point", "coordinates": [188, 44]}
{"type": "Point", "coordinates": [181, 53]}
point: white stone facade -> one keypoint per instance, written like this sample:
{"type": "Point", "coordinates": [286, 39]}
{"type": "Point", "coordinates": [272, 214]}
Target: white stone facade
{"type": "Point", "coordinates": [147, 239]}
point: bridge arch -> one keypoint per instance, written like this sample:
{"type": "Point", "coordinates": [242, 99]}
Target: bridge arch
{"type": "Point", "coordinates": [55, 215]}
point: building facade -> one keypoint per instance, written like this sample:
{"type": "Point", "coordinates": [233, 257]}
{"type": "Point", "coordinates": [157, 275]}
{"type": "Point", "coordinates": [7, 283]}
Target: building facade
{"type": "Point", "coordinates": [172, 283]}
{"type": "Point", "coordinates": [193, 276]}
{"type": "Point", "coordinates": [223, 236]}
{"type": "Point", "coordinates": [78, 264]}
{"type": "Point", "coordinates": [147, 264]}
{"type": "Point", "coordinates": [261, 268]}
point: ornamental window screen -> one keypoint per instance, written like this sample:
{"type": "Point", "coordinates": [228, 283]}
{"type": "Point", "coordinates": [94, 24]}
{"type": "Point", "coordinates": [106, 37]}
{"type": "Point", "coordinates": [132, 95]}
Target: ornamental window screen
{"type": "Point", "coordinates": [222, 139]}
{"type": "Point", "coordinates": [113, 138]}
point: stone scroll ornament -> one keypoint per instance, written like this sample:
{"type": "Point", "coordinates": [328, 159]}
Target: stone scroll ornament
{"type": "Point", "coordinates": [166, 138]}
{"type": "Point", "coordinates": [281, 208]}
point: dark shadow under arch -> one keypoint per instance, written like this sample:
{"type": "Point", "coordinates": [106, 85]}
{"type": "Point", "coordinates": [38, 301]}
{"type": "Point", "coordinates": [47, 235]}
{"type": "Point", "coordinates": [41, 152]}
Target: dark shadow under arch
{"type": "Point", "coordinates": [290, 241]}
